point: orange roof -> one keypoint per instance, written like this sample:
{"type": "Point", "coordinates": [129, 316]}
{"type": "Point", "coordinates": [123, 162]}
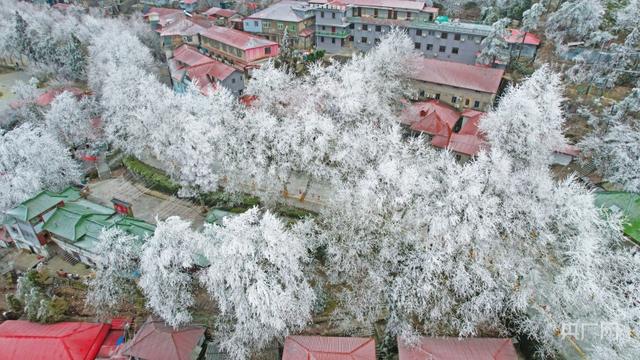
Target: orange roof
{"type": "Point", "coordinates": [325, 347]}
{"type": "Point", "coordinates": [235, 38]}
{"type": "Point", "coordinates": [24, 340]}
{"type": "Point", "coordinates": [458, 75]}
{"type": "Point", "coordinates": [458, 349]}
{"type": "Point", "coordinates": [515, 36]}
{"type": "Point", "coordinates": [421, 115]}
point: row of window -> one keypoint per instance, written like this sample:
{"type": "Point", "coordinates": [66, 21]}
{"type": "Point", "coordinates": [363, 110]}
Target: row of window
{"type": "Point", "coordinates": [224, 47]}
{"type": "Point", "coordinates": [279, 25]}
{"type": "Point", "coordinates": [454, 99]}
{"type": "Point", "coordinates": [333, 15]}
{"type": "Point", "coordinates": [444, 35]}
{"type": "Point", "coordinates": [333, 40]}
{"type": "Point", "coordinates": [442, 48]}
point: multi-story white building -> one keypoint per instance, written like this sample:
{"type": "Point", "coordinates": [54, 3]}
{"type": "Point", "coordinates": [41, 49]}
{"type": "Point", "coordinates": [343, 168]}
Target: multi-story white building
{"type": "Point", "coordinates": [344, 26]}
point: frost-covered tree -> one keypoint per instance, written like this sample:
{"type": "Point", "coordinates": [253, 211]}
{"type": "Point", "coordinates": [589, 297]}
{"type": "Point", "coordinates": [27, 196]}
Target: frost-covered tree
{"type": "Point", "coordinates": [626, 18]}
{"type": "Point", "coordinates": [26, 168]}
{"type": "Point", "coordinates": [70, 119]}
{"type": "Point", "coordinates": [256, 278]}
{"type": "Point", "coordinates": [495, 245]}
{"type": "Point", "coordinates": [495, 46]}
{"type": "Point", "coordinates": [165, 262]}
{"type": "Point", "coordinates": [531, 17]}
{"type": "Point", "coordinates": [614, 146]}
{"type": "Point", "coordinates": [575, 20]}
{"type": "Point", "coordinates": [115, 267]}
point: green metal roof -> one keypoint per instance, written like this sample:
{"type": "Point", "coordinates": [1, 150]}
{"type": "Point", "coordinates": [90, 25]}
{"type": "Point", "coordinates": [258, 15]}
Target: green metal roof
{"type": "Point", "coordinates": [41, 202]}
{"type": "Point", "coordinates": [627, 203]}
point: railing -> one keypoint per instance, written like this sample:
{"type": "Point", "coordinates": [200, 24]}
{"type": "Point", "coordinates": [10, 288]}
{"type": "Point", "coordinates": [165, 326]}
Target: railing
{"type": "Point", "coordinates": [424, 23]}
{"type": "Point", "coordinates": [337, 34]}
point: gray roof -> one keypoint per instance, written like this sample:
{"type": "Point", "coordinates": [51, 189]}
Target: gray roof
{"type": "Point", "coordinates": [286, 10]}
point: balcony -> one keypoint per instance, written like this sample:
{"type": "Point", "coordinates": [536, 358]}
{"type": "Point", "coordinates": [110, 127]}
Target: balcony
{"type": "Point", "coordinates": [342, 34]}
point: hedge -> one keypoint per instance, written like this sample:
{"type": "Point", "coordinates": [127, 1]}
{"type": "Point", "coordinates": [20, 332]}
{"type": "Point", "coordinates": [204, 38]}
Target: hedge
{"type": "Point", "coordinates": [156, 178]}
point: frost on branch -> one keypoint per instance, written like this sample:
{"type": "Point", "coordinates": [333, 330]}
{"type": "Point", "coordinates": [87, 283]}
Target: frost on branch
{"type": "Point", "coordinates": [165, 262]}
{"type": "Point", "coordinates": [115, 267]}
{"type": "Point", "coordinates": [26, 169]}
{"type": "Point", "coordinates": [256, 277]}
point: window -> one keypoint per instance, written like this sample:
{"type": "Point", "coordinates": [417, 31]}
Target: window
{"type": "Point", "coordinates": [375, 12]}
{"type": "Point", "coordinates": [376, 41]}
{"type": "Point", "coordinates": [267, 50]}
{"type": "Point", "coordinates": [333, 15]}
{"type": "Point", "coordinates": [456, 37]}
{"type": "Point", "coordinates": [333, 40]}
{"type": "Point", "coordinates": [352, 26]}
{"type": "Point", "coordinates": [323, 27]}
{"type": "Point", "coordinates": [321, 14]}
{"type": "Point", "coordinates": [266, 24]}
{"type": "Point", "coordinates": [233, 81]}
{"type": "Point", "coordinates": [416, 46]}
{"type": "Point", "coordinates": [466, 102]}
{"type": "Point", "coordinates": [378, 28]}
{"type": "Point", "coordinates": [333, 29]}
{"type": "Point", "coordinates": [365, 27]}
{"type": "Point", "coordinates": [454, 99]}
{"type": "Point", "coordinates": [454, 50]}
{"type": "Point", "coordinates": [364, 40]}
{"type": "Point", "coordinates": [429, 46]}
{"type": "Point", "coordinates": [437, 96]}
{"type": "Point", "coordinates": [321, 38]}
{"type": "Point", "coordinates": [443, 35]}
{"type": "Point", "coordinates": [188, 38]}
{"type": "Point", "coordinates": [255, 23]}
{"type": "Point", "coordinates": [476, 104]}
{"type": "Point", "coordinates": [431, 32]}
{"type": "Point", "coordinates": [408, 16]}
{"type": "Point", "coordinates": [292, 27]}
{"type": "Point", "coordinates": [419, 32]}
{"type": "Point", "coordinates": [442, 48]}
{"type": "Point", "coordinates": [421, 93]}
{"type": "Point", "coordinates": [280, 26]}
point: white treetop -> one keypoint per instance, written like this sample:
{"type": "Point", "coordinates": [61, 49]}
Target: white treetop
{"type": "Point", "coordinates": [494, 45]}
{"type": "Point", "coordinates": [575, 20]}
{"type": "Point", "coordinates": [26, 167]}
{"type": "Point", "coordinates": [256, 277]}
{"type": "Point", "coordinates": [70, 119]}
{"type": "Point", "coordinates": [115, 267]}
{"type": "Point", "coordinates": [614, 146]}
{"type": "Point", "coordinates": [165, 262]}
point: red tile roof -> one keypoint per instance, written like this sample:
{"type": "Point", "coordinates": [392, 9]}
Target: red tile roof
{"type": "Point", "coordinates": [24, 340]}
{"type": "Point", "coordinates": [215, 69]}
{"type": "Point", "coordinates": [48, 97]}
{"type": "Point", "coordinates": [457, 75]}
{"type": "Point", "coordinates": [189, 55]}
{"type": "Point", "coordinates": [155, 340]}
{"type": "Point", "coordinates": [236, 38]}
{"type": "Point", "coordinates": [306, 32]}
{"type": "Point", "coordinates": [459, 349]}
{"type": "Point", "coordinates": [515, 36]}
{"type": "Point", "coordinates": [438, 119]}
{"type": "Point", "coordinates": [216, 11]}
{"type": "Point", "coordinates": [333, 348]}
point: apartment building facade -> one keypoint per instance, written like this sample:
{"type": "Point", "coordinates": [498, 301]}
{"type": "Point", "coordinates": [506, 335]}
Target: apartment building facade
{"type": "Point", "coordinates": [297, 18]}
{"type": "Point", "coordinates": [344, 26]}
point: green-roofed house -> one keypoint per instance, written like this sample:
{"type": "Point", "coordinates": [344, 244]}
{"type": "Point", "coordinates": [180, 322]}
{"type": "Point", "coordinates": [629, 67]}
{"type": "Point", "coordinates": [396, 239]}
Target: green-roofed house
{"type": "Point", "coordinates": [75, 225]}
{"type": "Point", "coordinates": [626, 203]}
{"type": "Point", "coordinates": [23, 223]}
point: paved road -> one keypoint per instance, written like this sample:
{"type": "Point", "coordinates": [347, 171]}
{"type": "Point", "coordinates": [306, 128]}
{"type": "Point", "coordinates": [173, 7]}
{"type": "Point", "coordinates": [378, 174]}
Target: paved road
{"type": "Point", "coordinates": [6, 83]}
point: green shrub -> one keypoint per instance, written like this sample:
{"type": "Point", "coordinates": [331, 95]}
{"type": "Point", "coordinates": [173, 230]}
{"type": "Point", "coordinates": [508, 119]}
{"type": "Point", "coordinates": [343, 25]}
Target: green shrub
{"type": "Point", "coordinates": [157, 179]}
{"type": "Point", "coordinates": [14, 303]}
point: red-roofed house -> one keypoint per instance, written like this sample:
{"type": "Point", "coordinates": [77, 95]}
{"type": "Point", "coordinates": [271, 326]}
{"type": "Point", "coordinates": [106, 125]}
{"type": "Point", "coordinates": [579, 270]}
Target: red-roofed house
{"type": "Point", "coordinates": [161, 17]}
{"type": "Point", "coordinates": [446, 127]}
{"type": "Point", "coordinates": [222, 17]}
{"type": "Point", "coordinates": [189, 65]}
{"type": "Point", "coordinates": [157, 341]}
{"type": "Point", "coordinates": [24, 340]}
{"type": "Point", "coordinates": [522, 43]}
{"type": "Point", "coordinates": [242, 49]}
{"type": "Point", "coordinates": [458, 349]}
{"type": "Point", "coordinates": [48, 97]}
{"type": "Point", "coordinates": [325, 347]}
{"type": "Point", "coordinates": [182, 31]}
{"type": "Point", "coordinates": [460, 85]}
